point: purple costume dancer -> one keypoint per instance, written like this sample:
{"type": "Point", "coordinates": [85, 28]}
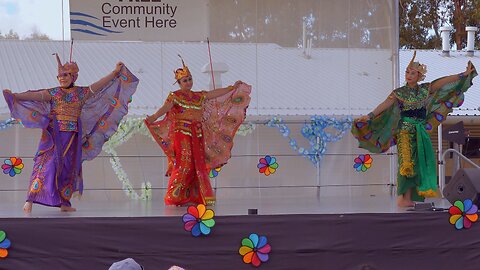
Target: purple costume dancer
{"type": "Point", "coordinates": [76, 122]}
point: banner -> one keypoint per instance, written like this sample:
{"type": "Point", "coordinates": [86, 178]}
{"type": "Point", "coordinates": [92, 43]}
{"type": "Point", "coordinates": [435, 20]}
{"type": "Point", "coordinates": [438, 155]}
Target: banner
{"type": "Point", "coordinates": [139, 20]}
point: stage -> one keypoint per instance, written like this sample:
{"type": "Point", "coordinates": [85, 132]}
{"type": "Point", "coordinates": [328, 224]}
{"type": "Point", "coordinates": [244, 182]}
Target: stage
{"type": "Point", "coordinates": [327, 206]}
{"type": "Point", "coordinates": [314, 217]}
{"type": "Point", "coordinates": [305, 232]}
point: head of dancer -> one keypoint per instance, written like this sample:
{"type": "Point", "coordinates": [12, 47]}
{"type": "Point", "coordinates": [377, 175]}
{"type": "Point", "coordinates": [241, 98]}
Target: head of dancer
{"type": "Point", "coordinates": [183, 77]}
{"type": "Point", "coordinates": [415, 71]}
{"type": "Point", "coordinates": [67, 73]}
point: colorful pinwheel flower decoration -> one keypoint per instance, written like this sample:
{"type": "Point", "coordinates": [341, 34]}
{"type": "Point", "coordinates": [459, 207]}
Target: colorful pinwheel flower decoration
{"type": "Point", "coordinates": [198, 220]}
{"type": "Point", "coordinates": [267, 165]}
{"type": "Point", "coordinates": [463, 214]}
{"type": "Point", "coordinates": [214, 172]}
{"type": "Point", "coordinates": [255, 250]}
{"type": "Point", "coordinates": [363, 163]}
{"type": "Point", "coordinates": [12, 166]}
{"type": "Point", "coordinates": [4, 245]}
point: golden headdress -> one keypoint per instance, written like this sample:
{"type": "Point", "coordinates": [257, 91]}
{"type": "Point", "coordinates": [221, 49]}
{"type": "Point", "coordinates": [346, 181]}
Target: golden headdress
{"type": "Point", "coordinates": [69, 67]}
{"type": "Point", "coordinates": [422, 69]}
{"type": "Point", "coordinates": [182, 72]}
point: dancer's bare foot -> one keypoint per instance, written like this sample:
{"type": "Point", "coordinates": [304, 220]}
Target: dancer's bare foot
{"type": "Point", "coordinates": [27, 207]}
{"type": "Point", "coordinates": [65, 208]}
{"type": "Point", "coordinates": [403, 202]}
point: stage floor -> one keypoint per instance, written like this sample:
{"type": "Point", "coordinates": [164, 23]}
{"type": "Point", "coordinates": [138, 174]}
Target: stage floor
{"type": "Point", "coordinates": [304, 230]}
{"type": "Point", "coordinates": [274, 203]}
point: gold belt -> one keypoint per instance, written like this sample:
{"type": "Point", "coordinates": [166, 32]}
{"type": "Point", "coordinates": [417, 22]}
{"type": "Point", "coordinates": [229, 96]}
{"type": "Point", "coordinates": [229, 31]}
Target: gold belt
{"type": "Point", "coordinates": [63, 117]}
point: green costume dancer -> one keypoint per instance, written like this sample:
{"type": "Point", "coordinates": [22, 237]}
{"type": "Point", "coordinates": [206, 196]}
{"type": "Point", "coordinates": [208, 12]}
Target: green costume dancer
{"type": "Point", "coordinates": [405, 119]}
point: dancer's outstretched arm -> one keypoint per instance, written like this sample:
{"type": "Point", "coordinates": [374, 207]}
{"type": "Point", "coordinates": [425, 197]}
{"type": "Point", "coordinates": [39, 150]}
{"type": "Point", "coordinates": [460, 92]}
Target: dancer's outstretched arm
{"type": "Point", "coordinates": [222, 91]}
{"type": "Point", "coordinates": [380, 108]}
{"type": "Point", "coordinates": [163, 110]}
{"type": "Point", "coordinates": [95, 87]}
{"type": "Point", "coordinates": [453, 78]}
{"type": "Point", "coordinates": [41, 95]}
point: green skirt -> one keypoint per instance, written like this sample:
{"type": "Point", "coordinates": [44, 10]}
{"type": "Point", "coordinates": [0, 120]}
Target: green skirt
{"type": "Point", "coordinates": [417, 168]}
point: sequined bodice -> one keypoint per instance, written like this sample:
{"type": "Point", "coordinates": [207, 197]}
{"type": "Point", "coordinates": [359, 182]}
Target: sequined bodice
{"type": "Point", "coordinates": [67, 106]}
{"type": "Point", "coordinates": [187, 111]}
{"type": "Point", "coordinates": [187, 106]}
{"type": "Point", "coordinates": [412, 98]}
{"type": "Point", "coordinates": [412, 103]}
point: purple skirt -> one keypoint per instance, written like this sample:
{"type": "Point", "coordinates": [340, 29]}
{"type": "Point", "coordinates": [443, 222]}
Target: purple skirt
{"type": "Point", "coordinates": [57, 169]}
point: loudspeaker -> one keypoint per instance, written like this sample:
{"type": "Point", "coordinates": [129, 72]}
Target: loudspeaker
{"type": "Point", "coordinates": [455, 133]}
{"type": "Point", "coordinates": [465, 184]}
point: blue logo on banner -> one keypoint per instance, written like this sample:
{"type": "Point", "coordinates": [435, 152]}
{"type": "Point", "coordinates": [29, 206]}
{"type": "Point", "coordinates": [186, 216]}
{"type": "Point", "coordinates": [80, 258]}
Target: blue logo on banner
{"type": "Point", "coordinates": [79, 23]}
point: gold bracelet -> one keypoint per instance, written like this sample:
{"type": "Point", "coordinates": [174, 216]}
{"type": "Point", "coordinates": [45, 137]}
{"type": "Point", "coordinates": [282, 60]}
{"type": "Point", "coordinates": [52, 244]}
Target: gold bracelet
{"type": "Point", "coordinates": [230, 88]}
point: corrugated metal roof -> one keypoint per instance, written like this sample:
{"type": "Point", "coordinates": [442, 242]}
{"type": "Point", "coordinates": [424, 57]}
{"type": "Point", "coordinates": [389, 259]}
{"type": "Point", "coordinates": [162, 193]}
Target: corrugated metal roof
{"type": "Point", "coordinates": [30, 65]}
{"type": "Point", "coordinates": [284, 82]}
{"type": "Point", "coordinates": [332, 81]}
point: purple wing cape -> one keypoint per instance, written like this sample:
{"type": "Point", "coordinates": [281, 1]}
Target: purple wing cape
{"type": "Point", "coordinates": [100, 115]}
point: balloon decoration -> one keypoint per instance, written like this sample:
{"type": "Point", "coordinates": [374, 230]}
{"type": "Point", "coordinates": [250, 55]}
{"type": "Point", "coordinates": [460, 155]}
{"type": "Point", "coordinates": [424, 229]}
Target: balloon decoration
{"type": "Point", "coordinates": [8, 123]}
{"type": "Point", "coordinates": [127, 128]}
{"type": "Point", "coordinates": [245, 129]}
{"type": "Point", "coordinates": [316, 134]}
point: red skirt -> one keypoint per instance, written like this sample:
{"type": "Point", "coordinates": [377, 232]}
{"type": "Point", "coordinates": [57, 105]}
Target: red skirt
{"type": "Point", "coordinates": [189, 182]}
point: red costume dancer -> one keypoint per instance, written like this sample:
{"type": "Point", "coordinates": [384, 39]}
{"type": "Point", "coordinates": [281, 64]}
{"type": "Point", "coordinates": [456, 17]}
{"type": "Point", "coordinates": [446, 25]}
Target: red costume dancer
{"type": "Point", "coordinates": [197, 135]}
